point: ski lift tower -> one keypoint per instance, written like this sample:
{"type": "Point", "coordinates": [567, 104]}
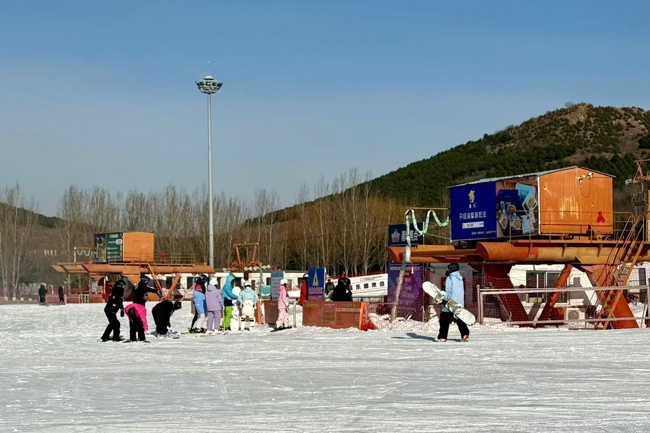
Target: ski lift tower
{"type": "Point", "coordinates": [641, 199]}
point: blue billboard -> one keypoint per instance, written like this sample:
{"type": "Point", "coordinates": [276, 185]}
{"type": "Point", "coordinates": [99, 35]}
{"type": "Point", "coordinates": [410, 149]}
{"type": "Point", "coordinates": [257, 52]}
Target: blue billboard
{"type": "Point", "coordinates": [473, 211]}
{"type": "Point", "coordinates": [397, 235]}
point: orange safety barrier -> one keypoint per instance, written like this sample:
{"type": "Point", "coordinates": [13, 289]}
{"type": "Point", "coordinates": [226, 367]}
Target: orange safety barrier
{"type": "Point", "coordinates": [337, 315]}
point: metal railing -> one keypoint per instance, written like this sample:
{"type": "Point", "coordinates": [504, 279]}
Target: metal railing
{"type": "Point", "coordinates": [482, 293]}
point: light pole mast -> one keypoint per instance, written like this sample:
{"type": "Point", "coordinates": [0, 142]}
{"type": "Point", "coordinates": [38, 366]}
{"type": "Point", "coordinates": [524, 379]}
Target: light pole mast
{"type": "Point", "coordinates": [210, 86]}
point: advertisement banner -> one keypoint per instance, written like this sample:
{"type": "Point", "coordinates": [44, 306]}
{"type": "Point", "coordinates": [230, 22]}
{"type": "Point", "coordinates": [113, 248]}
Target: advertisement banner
{"type": "Point", "coordinates": [276, 277]}
{"type": "Point", "coordinates": [473, 211]}
{"type": "Point", "coordinates": [337, 315]}
{"type": "Point", "coordinates": [316, 284]}
{"type": "Point", "coordinates": [504, 208]}
{"type": "Point", "coordinates": [411, 297]}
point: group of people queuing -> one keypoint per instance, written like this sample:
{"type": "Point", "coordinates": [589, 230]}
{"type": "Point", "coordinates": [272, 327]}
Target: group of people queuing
{"type": "Point", "coordinates": [212, 304]}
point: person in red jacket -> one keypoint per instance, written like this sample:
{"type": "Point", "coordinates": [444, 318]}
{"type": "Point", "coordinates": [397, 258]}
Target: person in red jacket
{"type": "Point", "coordinates": [303, 288]}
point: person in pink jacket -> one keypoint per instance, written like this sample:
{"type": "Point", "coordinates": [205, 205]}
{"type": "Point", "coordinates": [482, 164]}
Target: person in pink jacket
{"type": "Point", "coordinates": [137, 315]}
{"type": "Point", "coordinates": [283, 307]}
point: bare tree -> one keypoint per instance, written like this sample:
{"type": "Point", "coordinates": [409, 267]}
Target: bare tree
{"type": "Point", "coordinates": [17, 222]}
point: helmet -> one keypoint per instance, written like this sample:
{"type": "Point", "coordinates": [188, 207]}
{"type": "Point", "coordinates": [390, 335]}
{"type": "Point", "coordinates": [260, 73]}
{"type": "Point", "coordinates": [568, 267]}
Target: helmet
{"type": "Point", "coordinates": [178, 305]}
{"type": "Point", "coordinates": [247, 284]}
{"type": "Point", "coordinates": [119, 284]}
{"type": "Point", "coordinates": [284, 282]}
{"type": "Point", "coordinates": [144, 279]}
{"type": "Point", "coordinates": [453, 267]}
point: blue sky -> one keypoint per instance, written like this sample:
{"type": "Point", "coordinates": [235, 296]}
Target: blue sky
{"type": "Point", "coordinates": [103, 93]}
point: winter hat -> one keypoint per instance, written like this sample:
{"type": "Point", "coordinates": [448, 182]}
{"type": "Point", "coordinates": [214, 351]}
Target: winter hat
{"type": "Point", "coordinates": [284, 282]}
{"type": "Point", "coordinates": [247, 284]}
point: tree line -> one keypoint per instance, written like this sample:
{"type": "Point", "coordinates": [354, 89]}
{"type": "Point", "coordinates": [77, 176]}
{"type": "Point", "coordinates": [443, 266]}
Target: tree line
{"type": "Point", "coordinates": [339, 224]}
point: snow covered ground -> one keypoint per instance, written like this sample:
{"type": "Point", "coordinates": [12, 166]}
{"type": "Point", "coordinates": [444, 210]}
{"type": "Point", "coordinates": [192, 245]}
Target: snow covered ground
{"type": "Point", "coordinates": [55, 377]}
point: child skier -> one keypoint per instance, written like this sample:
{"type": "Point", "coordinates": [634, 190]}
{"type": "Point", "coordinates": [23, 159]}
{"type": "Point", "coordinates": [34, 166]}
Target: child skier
{"type": "Point", "coordinates": [199, 305]}
{"type": "Point", "coordinates": [137, 315]}
{"type": "Point", "coordinates": [283, 307]}
{"type": "Point", "coordinates": [162, 313]}
{"type": "Point", "coordinates": [114, 304]}
{"type": "Point", "coordinates": [228, 298]}
{"type": "Point", "coordinates": [454, 289]}
{"type": "Point", "coordinates": [214, 304]}
{"type": "Point", "coordinates": [248, 302]}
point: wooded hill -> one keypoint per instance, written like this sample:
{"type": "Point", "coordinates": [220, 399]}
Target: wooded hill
{"type": "Point", "coordinates": [606, 139]}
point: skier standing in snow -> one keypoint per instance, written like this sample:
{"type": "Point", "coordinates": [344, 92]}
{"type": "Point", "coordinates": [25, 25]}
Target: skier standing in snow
{"type": "Point", "coordinates": [61, 295]}
{"type": "Point", "coordinates": [162, 313]}
{"type": "Point", "coordinates": [114, 304]}
{"type": "Point", "coordinates": [214, 303]}
{"type": "Point", "coordinates": [248, 302]}
{"type": "Point", "coordinates": [198, 298]}
{"type": "Point", "coordinates": [283, 307]}
{"type": "Point", "coordinates": [454, 289]}
{"type": "Point", "coordinates": [228, 298]}
{"type": "Point", "coordinates": [140, 293]}
{"type": "Point", "coordinates": [42, 291]}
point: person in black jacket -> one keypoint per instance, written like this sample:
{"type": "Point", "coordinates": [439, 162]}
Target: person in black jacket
{"type": "Point", "coordinates": [162, 313]}
{"type": "Point", "coordinates": [140, 293]}
{"type": "Point", "coordinates": [61, 296]}
{"type": "Point", "coordinates": [114, 304]}
{"type": "Point", "coordinates": [342, 291]}
{"type": "Point", "coordinates": [41, 294]}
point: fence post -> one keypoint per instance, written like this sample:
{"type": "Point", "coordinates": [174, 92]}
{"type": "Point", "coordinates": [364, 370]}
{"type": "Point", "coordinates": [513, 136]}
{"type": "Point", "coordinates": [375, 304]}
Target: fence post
{"type": "Point", "coordinates": [480, 306]}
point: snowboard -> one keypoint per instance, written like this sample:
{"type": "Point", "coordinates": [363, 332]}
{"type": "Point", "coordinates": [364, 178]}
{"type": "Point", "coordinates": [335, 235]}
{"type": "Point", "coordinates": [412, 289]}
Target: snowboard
{"type": "Point", "coordinates": [281, 329]}
{"type": "Point", "coordinates": [458, 311]}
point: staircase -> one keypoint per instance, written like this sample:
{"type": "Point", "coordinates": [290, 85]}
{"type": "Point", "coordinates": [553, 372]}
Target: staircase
{"type": "Point", "coordinates": [622, 259]}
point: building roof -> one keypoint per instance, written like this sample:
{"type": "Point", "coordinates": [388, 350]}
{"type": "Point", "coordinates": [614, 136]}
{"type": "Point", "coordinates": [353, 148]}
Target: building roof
{"type": "Point", "coordinates": [536, 174]}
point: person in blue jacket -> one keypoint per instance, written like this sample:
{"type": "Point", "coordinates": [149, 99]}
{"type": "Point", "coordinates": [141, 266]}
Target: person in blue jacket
{"type": "Point", "coordinates": [454, 289]}
{"type": "Point", "coordinates": [200, 307]}
{"type": "Point", "coordinates": [228, 298]}
{"type": "Point", "coordinates": [248, 303]}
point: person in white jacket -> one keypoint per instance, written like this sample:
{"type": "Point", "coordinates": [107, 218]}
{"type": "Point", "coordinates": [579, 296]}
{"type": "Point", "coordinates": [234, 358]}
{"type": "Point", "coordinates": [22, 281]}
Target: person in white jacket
{"type": "Point", "coordinates": [283, 307]}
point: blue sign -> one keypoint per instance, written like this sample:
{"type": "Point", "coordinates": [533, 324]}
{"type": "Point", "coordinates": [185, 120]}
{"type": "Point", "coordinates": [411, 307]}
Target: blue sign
{"type": "Point", "coordinates": [397, 235]}
{"type": "Point", "coordinates": [316, 284]}
{"type": "Point", "coordinates": [473, 211]}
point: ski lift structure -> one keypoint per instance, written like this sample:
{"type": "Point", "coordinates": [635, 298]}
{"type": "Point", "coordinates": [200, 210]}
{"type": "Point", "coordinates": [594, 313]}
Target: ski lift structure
{"type": "Point", "coordinates": [562, 216]}
{"type": "Point", "coordinates": [130, 254]}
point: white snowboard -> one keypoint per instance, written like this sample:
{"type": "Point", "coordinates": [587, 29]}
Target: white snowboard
{"type": "Point", "coordinates": [438, 297]}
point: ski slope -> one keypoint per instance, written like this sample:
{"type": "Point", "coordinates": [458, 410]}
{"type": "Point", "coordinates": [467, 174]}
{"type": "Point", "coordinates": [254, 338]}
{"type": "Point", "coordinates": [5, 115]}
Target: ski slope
{"type": "Point", "coordinates": [55, 377]}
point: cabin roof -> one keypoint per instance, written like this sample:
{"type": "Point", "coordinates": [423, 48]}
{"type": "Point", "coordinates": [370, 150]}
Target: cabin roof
{"type": "Point", "coordinates": [535, 174]}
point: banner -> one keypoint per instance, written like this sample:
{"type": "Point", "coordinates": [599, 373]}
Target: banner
{"type": "Point", "coordinates": [337, 315]}
{"type": "Point", "coordinates": [497, 209]}
{"type": "Point", "coordinates": [276, 277]}
{"type": "Point", "coordinates": [411, 298]}
{"type": "Point", "coordinates": [316, 284]}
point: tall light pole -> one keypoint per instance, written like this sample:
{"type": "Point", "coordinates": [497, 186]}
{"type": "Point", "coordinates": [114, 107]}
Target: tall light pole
{"type": "Point", "coordinates": [210, 86]}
